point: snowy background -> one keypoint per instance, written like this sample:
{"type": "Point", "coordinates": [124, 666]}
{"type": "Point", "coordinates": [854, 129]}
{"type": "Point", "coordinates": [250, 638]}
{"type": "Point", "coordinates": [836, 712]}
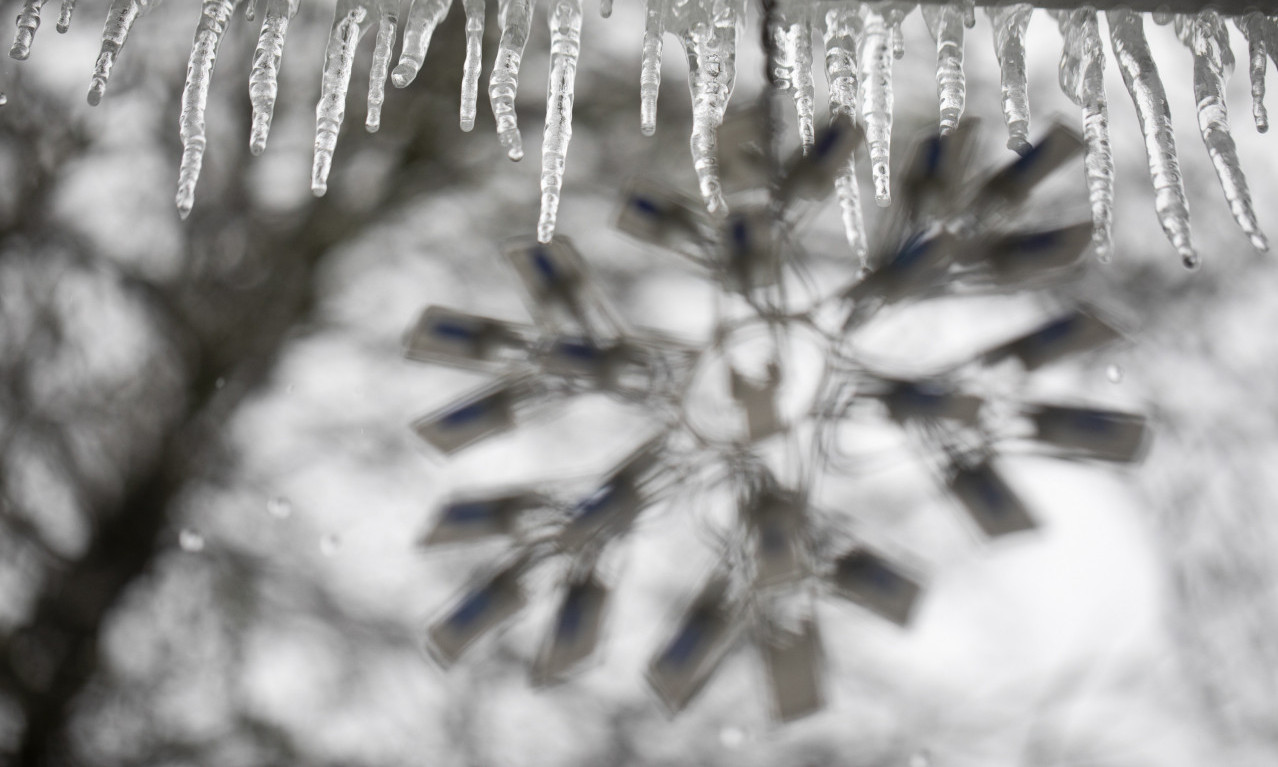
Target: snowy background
{"type": "Point", "coordinates": [203, 429]}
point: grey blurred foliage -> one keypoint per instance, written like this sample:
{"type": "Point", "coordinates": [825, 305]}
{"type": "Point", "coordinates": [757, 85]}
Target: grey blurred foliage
{"type": "Point", "coordinates": [208, 496]}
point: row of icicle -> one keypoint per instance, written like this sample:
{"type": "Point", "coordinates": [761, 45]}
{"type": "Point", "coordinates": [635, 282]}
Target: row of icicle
{"type": "Point", "coordinates": [861, 41]}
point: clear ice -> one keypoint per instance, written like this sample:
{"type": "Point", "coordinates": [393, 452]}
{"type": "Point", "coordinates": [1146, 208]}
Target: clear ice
{"type": "Point", "coordinates": [654, 30]}
{"type": "Point", "coordinates": [1207, 37]}
{"type": "Point", "coordinates": [515, 18]}
{"type": "Point", "coordinates": [876, 102]}
{"type": "Point", "coordinates": [195, 96]}
{"type": "Point", "coordinates": [1140, 75]}
{"type": "Point", "coordinates": [28, 23]}
{"type": "Point", "coordinates": [1082, 78]}
{"type": "Point", "coordinates": [120, 19]}
{"type": "Point", "coordinates": [349, 26]}
{"type": "Point", "coordinates": [387, 23]}
{"type": "Point", "coordinates": [423, 17]}
{"type": "Point", "coordinates": [842, 33]}
{"type": "Point", "coordinates": [64, 15]}
{"type": "Point", "coordinates": [793, 39]}
{"type": "Point", "coordinates": [264, 77]}
{"type": "Point", "coordinates": [565, 44]}
{"type": "Point", "coordinates": [710, 42]}
{"type": "Point", "coordinates": [474, 61]}
{"type": "Point", "coordinates": [945, 22]}
{"type": "Point", "coordinates": [1009, 24]}
{"type": "Point", "coordinates": [1252, 27]}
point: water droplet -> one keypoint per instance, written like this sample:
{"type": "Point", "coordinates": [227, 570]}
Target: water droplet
{"type": "Point", "coordinates": [279, 507]}
{"type": "Point", "coordinates": [3, 99]}
{"type": "Point", "coordinates": [329, 545]}
{"type": "Point", "coordinates": [731, 737]}
{"type": "Point", "coordinates": [190, 540]}
{"type": "Point", "coordinates": [219, 383]}
{"type": "Point", "coordinates": [1114, 374]}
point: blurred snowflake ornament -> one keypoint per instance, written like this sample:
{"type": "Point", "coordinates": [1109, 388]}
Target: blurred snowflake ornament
{"type": "Point", "coordinates": [758, 411]}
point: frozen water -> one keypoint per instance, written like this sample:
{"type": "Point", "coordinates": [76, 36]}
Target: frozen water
{"type": "Point", "coordinates": [423, 17]}
{"type": "Point", "coordinates": [876, 102]}
{"type": "Point", "coordinates": [515, 18]}
{"type": "Point", "coordinates": [709, 37]}
{"type": "Point", "coordinates": [565, 44]}
{"type": "Point", "coordinates": [1082, 78]}
{"type": "Point", "coordinates": [945, 22]}
{"type": "Point", "coordinates": [1009, 24]}
{"type": "Point", "coordinates": [195, 96]}
{"type": "Point", "coordinates": [842, 34]}
{"type": "Point", "coordinates": [348, 26]}
{"type": "Point", "coordinates": [474, 61]}
{"type": "Point", "coordinates": [650, 65]}
{"type": "Point", "coordinates": [120, 19]}
{"type": "Point", "coordinates": [264, 77]}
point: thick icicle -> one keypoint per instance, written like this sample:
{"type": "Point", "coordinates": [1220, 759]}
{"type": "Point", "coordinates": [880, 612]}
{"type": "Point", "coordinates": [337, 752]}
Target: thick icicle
{"type": "Point", "coordinates": [387, 22]}
{"type": "Point", "coordinates": [423, 17]}
{"type": "Point", "coordinates": [1252, 27]}
{"type": "Point", "coordinates": [120, 19]}
{"type": "Point", "coordinates": [515, 18]}
{"type": "Point", "coordinates": [339, 60]}
{"type": "Point", "coordinates": [264, 78]}
{"type": "Point", "coordinates": [1206, 36]}
{"type": "Point", "coordinates": [710, 44]}
{"type": "Point", "coordinates": [793, 38]}
{"type": "Point", "coordinates": [893, 15]}
{"type": "Point", "coordinates": [650, 67]}
{"type": "Point", "coordinates": [64, 16]}
{"type": "Point", "coordinates": [1009, 24]}
{"type": "Point", "coordinates": [28, 23]}
{"type": "Point", "coordinates": [1140, 75]}
{"type": "Point", "coordinates": [195, 96]}
{"type": "Point", "coordinates": [565, 44]}
{"type": "Point", "coordinates": [842, 35]}
{"type": "Point", "coordinates": [945, 22]}
{"type": "Point", "coordinates": [474, 61]}
{"type": "Point", "coordinates": [1082, 78]}
{"type": "Point", "coordinates": [876, 102]}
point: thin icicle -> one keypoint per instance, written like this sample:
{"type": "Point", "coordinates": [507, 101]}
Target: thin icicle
{"type": "Point", "coordinates": [876, 102]}
{"type": "Point", "coordinates": [711, 47]}
{"type": "Point", "coordinates": [1206, 36]}
{"type": "Point", "coordinates": [1140, 75]}
{"type": "Point", "coordinates": [893, 15]}
{"type": "Point", "coordinates": [650, 67]}
{"type": "Point", "coordinates": [250, 10]}
{"type": "Point", "coordinates": [842, 35]}
{"type": "Point", "coordinates": [515, 18]}
{"type": "Point", "coordinates": [387, 22]}
{"type": "Point", "coordinates": [474, 60]}
{"type": "Point", "coordinates": [28, 23]}
{"type": "Point", "coordinates": [793, 38]}
{"type": "Point", "coordinates": [264, 78]}
{"type": "Point", "coordinates": [1252, 27]}
{"type": "Point", "coordinates": [1009, 24]}
{"type": "Point", "coordinates": [195, 96]}
{"type": "Point", "coordinates": [1082, 79]}
{"type": "Point", "coordinates": [64, 16]}
{"type": "Point", "coordinates": [565, 44]}
{"type": "Point", "coordinates": [120, 19]}
{"type": "Point", "coordinates": [339, 60]}
{"type": "Point", "coordinates": [945, 22]}
{"type": "Point", "coordinates": [423, 17]}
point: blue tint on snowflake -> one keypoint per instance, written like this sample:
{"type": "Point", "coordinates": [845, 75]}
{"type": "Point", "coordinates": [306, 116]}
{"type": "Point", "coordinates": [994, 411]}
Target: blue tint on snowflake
{"type": "Point", "coordinates": [646, 206]}
{"type": "Point", "coordinates": [570, 616]}
{"type": "Point", "coordinates": [453, 330]}
{"type": "Point", "coordinates": [688, 642]}
{"type": "Point", "coordinates": [597, 502]}
{"type": "Point", "coordinates": [470, 513]}
{"type": "Point", "coordinates": [541, 259]}
{"type": "Point", "coordinates": [466, 414]}
{"type": "Point", "coordinates": [579, 349]}
{"type": "Point", "coordinates": [472, 608]}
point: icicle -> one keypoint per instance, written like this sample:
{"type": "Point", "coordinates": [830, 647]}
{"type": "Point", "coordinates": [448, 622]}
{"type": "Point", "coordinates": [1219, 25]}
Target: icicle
{"type": "Point", "coordinates": [1082, 79]}
{"type": "Point", "coordinates": [1140, 75]}
{"type": "Point", "coordinates": [650, 68]}
{"type": "Point", "coordinates": [710, 44]}
{"type": "Point", "coordinates": [250, 10]}
{"type": "Point", "coordinates": [1206, 36]}
{"type": "Point", "coordinates": [348, 27]}
{"type": "Point", "coordinates": [515, 18]}
{"type": "Point", "coordinates": [842, 36]}
{"type": "Point", "coordinates": [876, 103]}
{"type": "Point", "coordinates": [423, 17]}
{"type": "Point", "coordinates": [565, 43]}
{"type": "Point", "coordinates": [893, 15]}
{"type": "Point", "coordinates": [794, 68]}
{"type": "Point", "coordinates": [605, 8]}
{"type": "Point", "coordinates": [474, 60]}
{"type": "Point", "coordinates": [64, 16]}
{"type": "Point", "coordinates": [1252, 27]}
{"type": "Point", "coordinates": [1009, 24]}
{"type": "Point", "coordinates": [387, 22]}
{"type": "Point", "coordinates": [195, 95]}
{"type": "Point", "coordinates": [120, 19]}
{"type": "Point", "coordinates": [28, 23]}
{"type": "Point", "coordinates": [264, 78]}
{"type": "Point", "coordinates": [945, 22]}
